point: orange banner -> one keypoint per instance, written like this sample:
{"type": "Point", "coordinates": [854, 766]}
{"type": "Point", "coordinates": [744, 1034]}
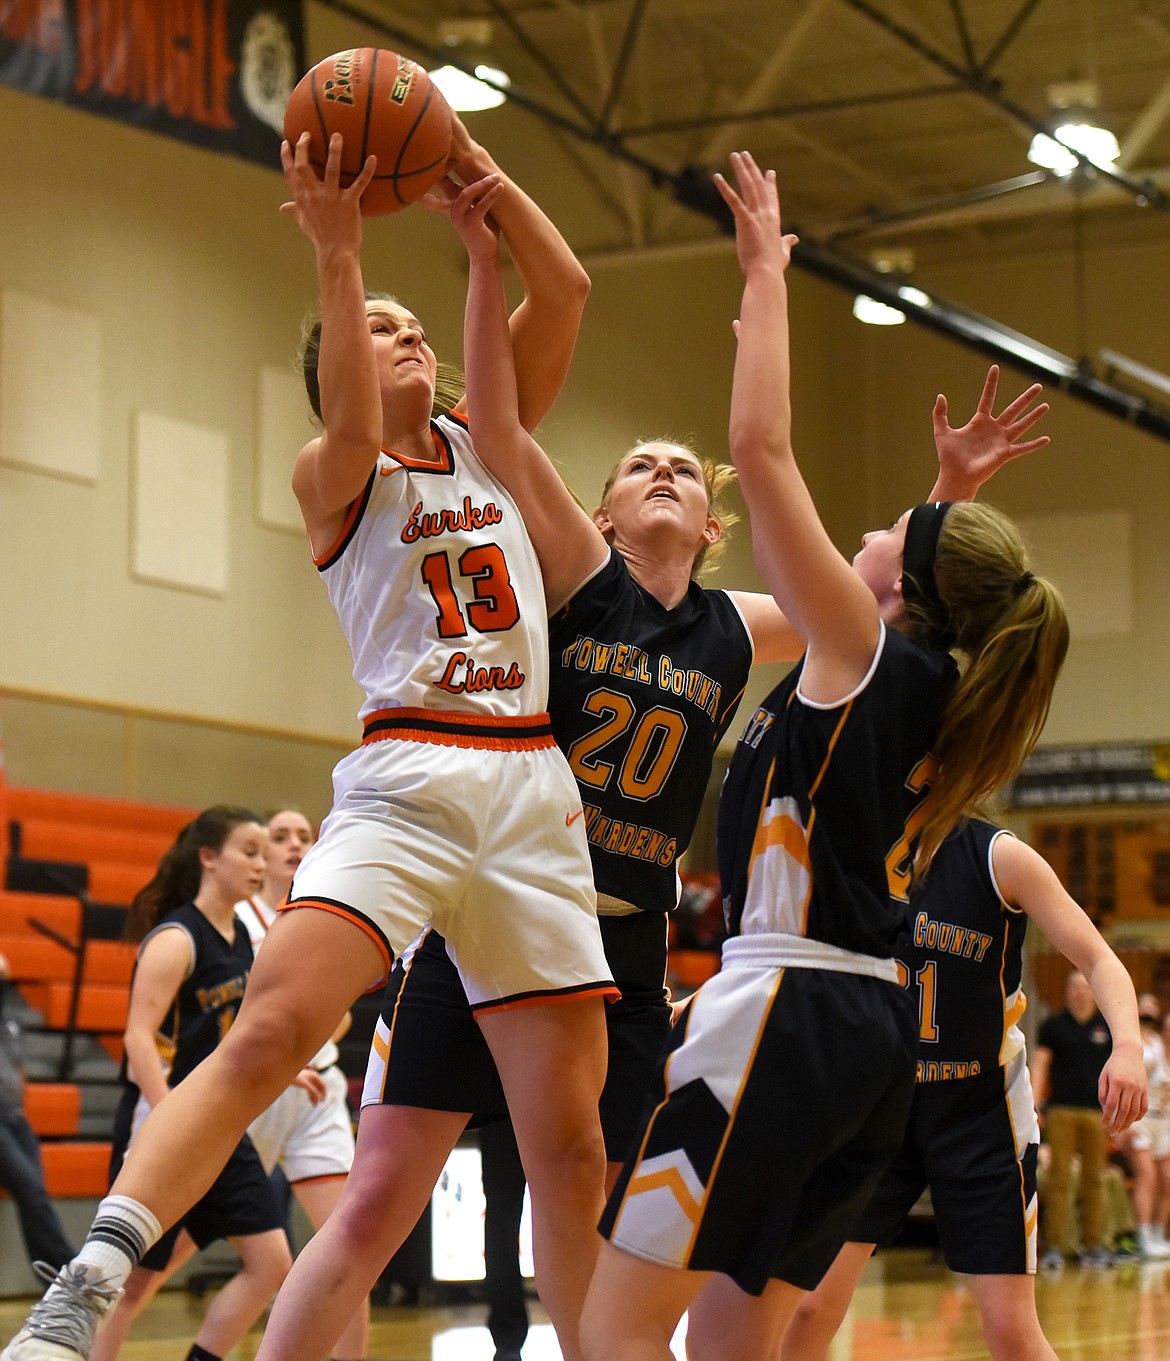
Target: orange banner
{"type": "Point", "coordinates": [214, 72]}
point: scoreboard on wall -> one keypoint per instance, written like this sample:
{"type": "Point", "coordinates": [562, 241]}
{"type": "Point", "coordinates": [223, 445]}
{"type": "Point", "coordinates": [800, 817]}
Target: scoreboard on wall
{"type": "Point", "coordinates": [1117, 869]}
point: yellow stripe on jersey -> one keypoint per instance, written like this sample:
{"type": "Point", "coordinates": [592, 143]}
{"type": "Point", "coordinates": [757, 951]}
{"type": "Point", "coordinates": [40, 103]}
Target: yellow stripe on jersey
{"type": "Point", "coordinates": [670, 1179]}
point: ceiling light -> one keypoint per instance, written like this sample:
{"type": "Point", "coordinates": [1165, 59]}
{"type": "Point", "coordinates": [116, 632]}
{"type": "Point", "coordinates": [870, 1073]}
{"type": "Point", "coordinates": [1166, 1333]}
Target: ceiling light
{"type": "Point", "coordinates": [908, 293]}
{"type": "Point", "coordinates": [1073, 103]}
{"type": "Point", "coordinates": [876, 313]}
{"type": "Point", "coordinates": [1096, 144]}
{"type": "Point", "coordinates": [465, 93]}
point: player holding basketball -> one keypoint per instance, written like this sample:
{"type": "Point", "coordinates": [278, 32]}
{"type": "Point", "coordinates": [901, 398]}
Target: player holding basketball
{"type": "Point", "coordinates": [628, 618]}
{"type": "Point", "coordinates": [457, 794]}
{"type": "Point", "coordinates": [972, 1137]}
{"type": "Point", "coordinates": [791, 1072]}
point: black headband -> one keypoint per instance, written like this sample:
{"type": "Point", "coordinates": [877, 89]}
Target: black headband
{"type": "Point", "coordinates": [918, 584]}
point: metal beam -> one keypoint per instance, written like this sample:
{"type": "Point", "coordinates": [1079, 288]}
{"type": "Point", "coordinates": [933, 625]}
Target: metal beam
{"type": "Point", "coordinates": [695, 190]}
{"type": "Point", "coordinates": [1145, 193]}
{"type": "Point", "coordinates": [778, 112]}
{"type": "Point", "coordinates": [1007, 37]}
{"type": "Point", "coordinates": [1145, 126]}
{"type": "Point", "coordinates": [964, 34]}
{"type": "Point", "coordinates": [550, 69]}
{"type": "Point", "coordinates": [637, 11]}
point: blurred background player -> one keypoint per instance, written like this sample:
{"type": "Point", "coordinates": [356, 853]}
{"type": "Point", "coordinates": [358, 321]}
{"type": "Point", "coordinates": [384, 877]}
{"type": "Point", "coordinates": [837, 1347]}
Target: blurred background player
{"type": "Point", "coordinates": [307, 1132]}
{"type": "Point", "coordinates": [972, 1137]}
{"type": "Point", "coordinates": [1072, 1046]}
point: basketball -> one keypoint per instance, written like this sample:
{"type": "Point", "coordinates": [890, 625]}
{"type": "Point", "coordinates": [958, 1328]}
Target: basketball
{"type": "Point", "coordinates": [383, 105]}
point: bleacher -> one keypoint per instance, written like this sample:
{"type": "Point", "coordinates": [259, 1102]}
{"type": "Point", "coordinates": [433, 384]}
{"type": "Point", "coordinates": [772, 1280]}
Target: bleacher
{"type": "Point", "coordinates": [73, 864]}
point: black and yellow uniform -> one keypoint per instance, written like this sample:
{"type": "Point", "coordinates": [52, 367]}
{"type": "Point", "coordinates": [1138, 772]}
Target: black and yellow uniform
{"type": "Point", "coordinates": [972, 1136]}
{"type": "Point", "coordinates": [639, 697]}
{"type": "Point", "coordinates": [241, 1200]}
{"type": "Point", "coordinates": [791, 1071]}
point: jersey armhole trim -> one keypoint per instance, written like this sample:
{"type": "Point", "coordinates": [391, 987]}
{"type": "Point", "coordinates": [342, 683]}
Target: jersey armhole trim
{"type": "Point", "coordinates": [1008, 907]}
{"type": "Point", "coordinates": [743, 620]}
{"type": "Point", "coordinates": [171, 926]}
{"type": "Point", "coordinates": [349, 529]}
{"type": "Point", "coordinates": [585, 580]}
{"type": "Point", "coordinates": [857, 689]}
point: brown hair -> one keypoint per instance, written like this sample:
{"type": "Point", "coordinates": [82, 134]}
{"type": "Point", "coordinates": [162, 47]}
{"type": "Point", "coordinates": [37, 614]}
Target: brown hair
{"type": "Point", "coordinates": [1011, 637]}
{"type": "Point", "coordinates": [448, 379]}
{"type": "Point", "coordinates": [179, 872]}
{"type": "Point", "coordinates": [716, 476]}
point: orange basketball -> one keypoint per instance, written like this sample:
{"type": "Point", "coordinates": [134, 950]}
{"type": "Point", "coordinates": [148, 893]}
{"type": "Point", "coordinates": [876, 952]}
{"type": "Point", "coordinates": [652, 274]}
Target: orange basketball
{"type": "Point", "coordinates": [383, 105]}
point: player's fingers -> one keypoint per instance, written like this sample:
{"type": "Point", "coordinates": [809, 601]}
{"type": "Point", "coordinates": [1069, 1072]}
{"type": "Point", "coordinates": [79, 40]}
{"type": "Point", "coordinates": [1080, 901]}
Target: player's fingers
{"type": "Point", "coordinates": [1029, 446]}
{"type": "Point", "coordinates": [1025, 399]}
{"type": "Point", "coordinates": [365, 176]}
{"type": "Point", "coordinates": [990, 388]}
{"type": "Point", "coordinates": [332, 160]}
{"type": "Point", "coordinates": [730, 197]}
{"type": "Point", "coordinates": [1027, 421]}
{"type": "Point", "coordinates": [938, 414]}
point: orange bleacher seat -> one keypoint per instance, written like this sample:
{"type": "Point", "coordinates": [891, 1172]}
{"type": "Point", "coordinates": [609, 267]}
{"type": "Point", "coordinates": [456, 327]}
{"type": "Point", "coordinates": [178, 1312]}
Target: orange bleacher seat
{"type": "Point", "coordinates": [37, 958]}
{"type": "Point", "coordinates": [53, 1109]}
{"type": "Point", "coordinates": [77, 1169]}
{"type": "Point", "coordinates": [115, 881]}
{"type": "Point", "coordinates": [128, 814]}
{"type": "Point", "coordinates": [77, 842]}
{"type": "Point", "coordinates": [109, 961]}
{"type": "Point", "coordinates": [693, 967]}
{"type": "Point", "coordinates": [62, 914]}
{"type": "Point", "coordinates": [102, 1006]}
{"type": "Point", "coordinates": [114, 1045]}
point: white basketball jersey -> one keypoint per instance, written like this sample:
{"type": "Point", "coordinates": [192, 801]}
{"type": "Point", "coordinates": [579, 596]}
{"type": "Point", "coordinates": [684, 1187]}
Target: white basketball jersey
{"type": "Point", "coordinates": [438, 589]}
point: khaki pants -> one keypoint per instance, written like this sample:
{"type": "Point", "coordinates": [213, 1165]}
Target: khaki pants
{"type": "Point", "coordinates": [1075, 1131]}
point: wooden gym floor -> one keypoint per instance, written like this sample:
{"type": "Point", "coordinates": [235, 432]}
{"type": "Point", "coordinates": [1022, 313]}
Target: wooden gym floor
{"type": "Point", "coordinates": [908, 1308]}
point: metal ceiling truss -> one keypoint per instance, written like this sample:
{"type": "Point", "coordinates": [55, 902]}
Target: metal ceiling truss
{"type": "Point", "coordinates": [692, 187]}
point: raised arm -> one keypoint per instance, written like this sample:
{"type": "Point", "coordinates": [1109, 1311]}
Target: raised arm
{"type": "Point", "coordinates": [568, 544]}
{"type": "Point", "coordinates": [332, 469]}
{"type": "Point", "coordinates": [544, 326]}
{"type": "Point", "coordinates": [816, 589]}
{"type": "Point", "coordinates": [968, 455]}
{"type": "Point", "coordinates": [1027, 881]}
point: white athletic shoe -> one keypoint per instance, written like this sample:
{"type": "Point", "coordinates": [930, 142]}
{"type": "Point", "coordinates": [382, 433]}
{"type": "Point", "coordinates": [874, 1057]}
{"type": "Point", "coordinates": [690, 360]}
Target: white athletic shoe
{"type": "Point", "coordinates": [1152, 1246]}
{"type": "Point", "coordinates": [63, 1322]}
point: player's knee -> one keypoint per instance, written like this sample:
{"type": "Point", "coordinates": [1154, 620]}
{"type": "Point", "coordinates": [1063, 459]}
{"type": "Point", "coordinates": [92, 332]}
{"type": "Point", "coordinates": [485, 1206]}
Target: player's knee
{"type": "Point", "coordinates": [810, 1330]}
{"type": "Point", "coordinates": [1011, 1335]}
{"type": "Point", "coordinates": [567, 1152]}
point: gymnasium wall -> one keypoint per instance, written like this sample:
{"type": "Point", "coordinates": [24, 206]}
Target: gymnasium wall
{"type": "Point", "coordinates": [197, 288]}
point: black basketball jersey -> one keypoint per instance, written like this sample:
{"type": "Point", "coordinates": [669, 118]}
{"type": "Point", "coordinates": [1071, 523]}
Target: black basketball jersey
{"type": "Point", "coordinates": [640, 696]}
{"type": "Point", "coordinates": [966, 960]}
{"type": "Point", "coordinates": [210, 996]}
{"type": "Point", "coordinates": [822, 805]}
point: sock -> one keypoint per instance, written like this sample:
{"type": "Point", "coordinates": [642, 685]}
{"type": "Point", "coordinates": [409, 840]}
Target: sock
{"type": "Point", "coordinates": [198, 1353]}
{"type": "Point", "coordinates": [122, 1231]}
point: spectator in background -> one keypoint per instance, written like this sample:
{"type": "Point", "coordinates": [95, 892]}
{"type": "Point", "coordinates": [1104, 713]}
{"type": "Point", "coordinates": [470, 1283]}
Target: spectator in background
{"type": "Point", "coordinates": [21, 1174]}
{"type": "Point", "coordinates": [1148, 1141]}
{"type": "Point", "coordinates": [1072, 1047]}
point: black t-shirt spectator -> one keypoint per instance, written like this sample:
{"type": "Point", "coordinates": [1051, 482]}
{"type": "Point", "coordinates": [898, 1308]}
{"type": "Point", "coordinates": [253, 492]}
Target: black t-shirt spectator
{"type": "Point", "coordinates": [1079, 1051]}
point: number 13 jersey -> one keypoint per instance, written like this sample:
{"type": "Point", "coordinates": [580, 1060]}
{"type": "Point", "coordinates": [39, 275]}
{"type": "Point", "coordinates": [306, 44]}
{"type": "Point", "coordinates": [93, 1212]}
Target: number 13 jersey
{"type": "Point", "coordinates": [438, 589]}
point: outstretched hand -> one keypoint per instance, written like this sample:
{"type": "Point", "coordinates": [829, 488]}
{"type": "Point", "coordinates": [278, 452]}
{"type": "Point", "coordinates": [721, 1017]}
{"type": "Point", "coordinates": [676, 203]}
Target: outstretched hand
{"type": "Point", "coordinates": [323, 210]}
{"type": "Point", "coordinates": [469, 216]}
{"type": "Point", "coordinates": [969, 454]}
{"type": "Point", "coordinates": [759, 240]}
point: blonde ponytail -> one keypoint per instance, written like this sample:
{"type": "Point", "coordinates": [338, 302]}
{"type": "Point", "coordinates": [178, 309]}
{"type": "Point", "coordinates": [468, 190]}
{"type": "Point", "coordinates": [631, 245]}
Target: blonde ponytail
{"type": "Point", "coordinates": [1011, 637]}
